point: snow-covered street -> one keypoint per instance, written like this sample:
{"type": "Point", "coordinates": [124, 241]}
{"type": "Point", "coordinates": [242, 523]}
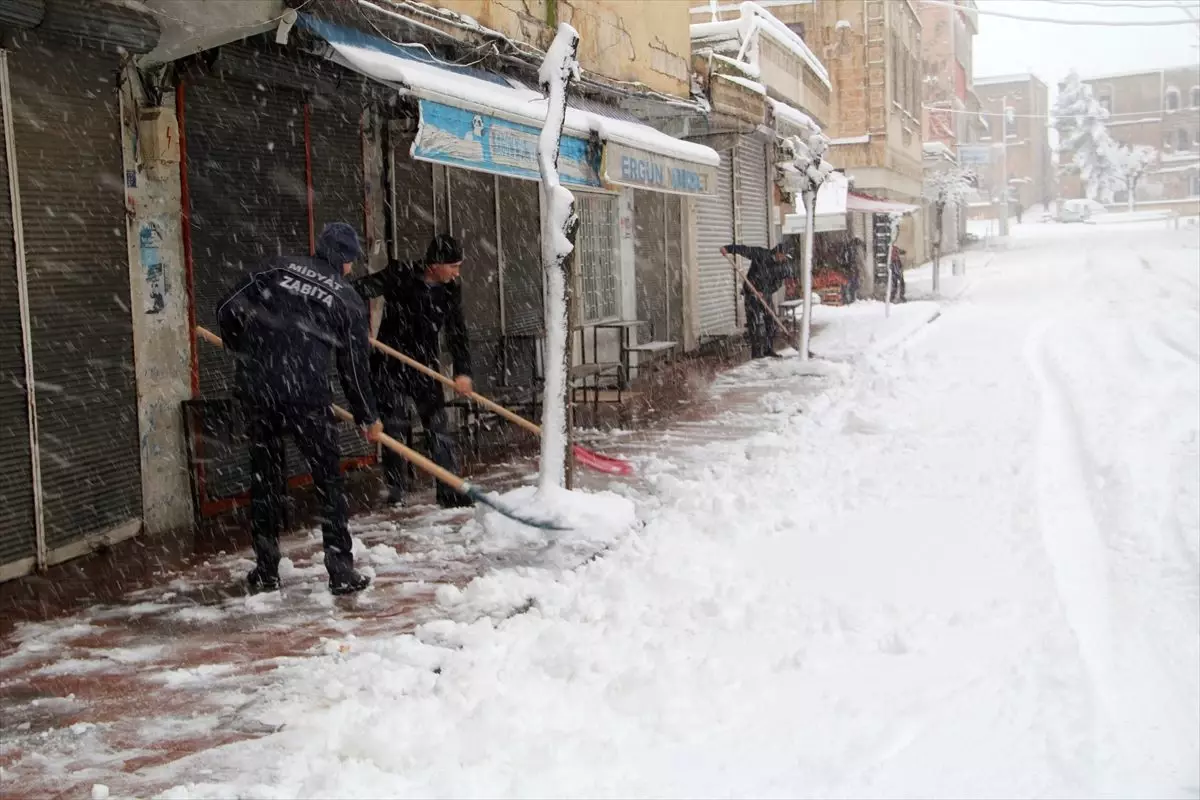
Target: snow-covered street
{"type": "Point", "coordinates": [964, 562]}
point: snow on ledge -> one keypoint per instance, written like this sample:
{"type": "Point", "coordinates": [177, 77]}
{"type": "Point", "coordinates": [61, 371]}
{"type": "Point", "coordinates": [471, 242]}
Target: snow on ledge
{"type": "Point", "coordinates": [794, 115]}
{"type": "Point", "coordinates": [753, 86]}
{"type": "Point", "coordinates": [864, 139]}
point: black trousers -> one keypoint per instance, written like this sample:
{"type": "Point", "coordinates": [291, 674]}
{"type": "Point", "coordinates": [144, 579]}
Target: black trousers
{"type": "Point", "coordinates": [760, 327]}
{"type": "Point", "coordinates": [314, 430]}
{"type": "Point", "coordinates": [395, 411]}
{"type": "Point", "coordinates": [897, 282]}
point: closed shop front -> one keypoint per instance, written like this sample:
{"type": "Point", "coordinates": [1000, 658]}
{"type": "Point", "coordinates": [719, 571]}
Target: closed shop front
{"type": "Point", "coordinates": [752, 191]}
{"type": "Point", "coordinates": [272, 154]}
{"type": "Point", "coordinates": [658, 240]}
{"type": "Point", "coordinates": [717, 290]}
{"type": "Point", "coordinates": [70, 461]}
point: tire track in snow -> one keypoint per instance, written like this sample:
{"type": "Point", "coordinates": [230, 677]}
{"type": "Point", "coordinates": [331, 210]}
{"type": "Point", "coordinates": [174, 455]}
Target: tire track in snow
{"type": "Point", "coordinates": [1134, 717]}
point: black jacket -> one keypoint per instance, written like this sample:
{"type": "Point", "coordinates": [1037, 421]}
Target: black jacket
{"type": "Point", "coordinates": [414, 313]}
{"type": "Point", "coordinates": [765, 273]}
{"type": "Point", "coordinates": [282, 322]}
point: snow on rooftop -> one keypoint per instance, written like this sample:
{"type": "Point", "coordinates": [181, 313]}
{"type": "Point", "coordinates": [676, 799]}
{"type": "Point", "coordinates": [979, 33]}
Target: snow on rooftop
{"type": "Point", "coordinates": [756, 20]}
{"type": "Point", "coordinates": [995, 80]}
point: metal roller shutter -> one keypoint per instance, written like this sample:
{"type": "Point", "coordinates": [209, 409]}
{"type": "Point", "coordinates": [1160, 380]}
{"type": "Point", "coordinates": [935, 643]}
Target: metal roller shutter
{"type": "Point", "coordinates": [752, 197]}
{"type": "Point", "coordinates": [18, 539]}
{"type": "Point", "coordinates": [473, 223]}
{"type": "Point", "coordinates": [336, 155]}
{"type": "Point", "coordinates": [650, 255]}
{"type": "Point", "coordinates": [248, 199]}
{"type": "Point", "coordinates": [68, 143]}
{"type": "Point", "coordinates": [714, 230]}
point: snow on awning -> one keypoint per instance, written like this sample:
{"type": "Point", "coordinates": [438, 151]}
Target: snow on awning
{"type": "Point", "coordinates": [792, 116]}
{"type": "Point", "coordinates": [830, 211]}
{"type": "Point", "coordinates": [869, 205]}
{"type": "Point", "coordinates": [479, 120]}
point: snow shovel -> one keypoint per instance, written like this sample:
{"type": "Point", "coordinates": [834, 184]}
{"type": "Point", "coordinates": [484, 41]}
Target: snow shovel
{"type": "Point", "coordinates": [476, 493]}
{"type": "Point", "coordinates": [759, 295]}
{"type": "Point", "coordinates": [588, 458]}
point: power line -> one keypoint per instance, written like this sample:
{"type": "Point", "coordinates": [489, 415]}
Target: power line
{"type": "Point", "coordinates": [1070, 22]}
{"type": "Point", "coordinates": [1118, 4]}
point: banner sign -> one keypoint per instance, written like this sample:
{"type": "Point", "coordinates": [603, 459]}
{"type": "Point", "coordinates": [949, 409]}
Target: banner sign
{"type": "Point", "coordinates": [629, 166]}
{"type": "Point", "coordinates": [461, 138]}
{"type": "Point", "coordinates": [976, 155]}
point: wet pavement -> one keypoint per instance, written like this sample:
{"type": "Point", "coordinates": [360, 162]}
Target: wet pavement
{"type": "Point", "coordinates": [119, 692]}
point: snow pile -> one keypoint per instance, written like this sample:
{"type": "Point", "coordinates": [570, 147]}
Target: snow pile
{"type": "Point", "coordinates": [860, 330]}
{"type": "Point", "coordinates": [598, 518]}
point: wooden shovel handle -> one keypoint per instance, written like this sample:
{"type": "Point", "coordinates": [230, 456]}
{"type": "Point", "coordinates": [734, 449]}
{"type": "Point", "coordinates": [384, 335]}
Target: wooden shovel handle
{"type": "Point", "coordinates": [418, 460]}
{"type": "Point", "coordinates": [757, 293]}
{"type": "Point", "coordinates": [443, 475]}
{"type": "Point", "coordinates": [494, 407]}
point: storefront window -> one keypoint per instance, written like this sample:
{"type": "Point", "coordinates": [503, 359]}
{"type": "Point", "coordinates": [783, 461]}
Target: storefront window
{"type": "Point", "coordinates": [596, 256]}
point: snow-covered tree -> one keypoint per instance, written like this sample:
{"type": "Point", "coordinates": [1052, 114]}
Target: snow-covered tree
{"type": "Point", "coordinates": [1132, 163]}
{"type": "Point", "coordinates": [948, 187]}
{"type": "Point", "coordinates": [1083, 137]}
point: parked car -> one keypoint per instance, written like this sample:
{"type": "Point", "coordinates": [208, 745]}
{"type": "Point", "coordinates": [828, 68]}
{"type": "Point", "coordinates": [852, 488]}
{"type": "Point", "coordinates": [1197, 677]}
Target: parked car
{"type": "Point", "coordinates": [1078, 210]}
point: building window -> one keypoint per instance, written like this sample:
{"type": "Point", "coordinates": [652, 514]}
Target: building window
{"type": "Point", "coordinates": [1172, 99]}
{"type": "Point", "coordinates": [1196, 97]}
{"type": "Point", "coordinates": [598, 262]}
{"type": "Point", "coordinates": [1195, 185]}
{"type": "Point", "coordinates": [1183, 140]}
{"type": "Point", "coordinates": [1106, 100]}
{"type": "Point", "coordinates": [796, 28]}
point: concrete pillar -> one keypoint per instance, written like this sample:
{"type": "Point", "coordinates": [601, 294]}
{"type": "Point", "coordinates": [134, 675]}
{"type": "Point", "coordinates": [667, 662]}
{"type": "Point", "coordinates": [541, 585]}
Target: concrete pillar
{"type": "Point", "coordinates": [159, 300]}
{"type": "Point", "coordinates": [691, 275]}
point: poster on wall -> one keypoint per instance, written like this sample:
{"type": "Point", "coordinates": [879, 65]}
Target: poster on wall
{"type": "Point", "coordinates": [150, 239]}
{"type": "Point", "coordinates": [458, 137]}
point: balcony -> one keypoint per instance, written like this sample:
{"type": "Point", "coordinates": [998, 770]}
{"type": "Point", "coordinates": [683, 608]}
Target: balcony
{"type": "Point", "coordinates": [771, 52]}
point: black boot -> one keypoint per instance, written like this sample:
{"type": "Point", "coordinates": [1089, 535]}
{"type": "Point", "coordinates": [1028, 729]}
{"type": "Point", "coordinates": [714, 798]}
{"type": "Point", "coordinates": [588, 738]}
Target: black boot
{"type": "Point", "coordinates": [349, 583]}
{"type": "Point", "coordinates": [260, 580]}
{"type": "Point", "coordinates": [343, 577]}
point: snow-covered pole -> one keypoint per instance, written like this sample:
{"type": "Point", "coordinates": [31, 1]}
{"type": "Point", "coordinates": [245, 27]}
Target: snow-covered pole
{"type": "Point", "coordinates": [808, 160]}
{"type": "Point", "coordinates": [558, 228]}
{"type": "Point", "coordinates": [810, 210]}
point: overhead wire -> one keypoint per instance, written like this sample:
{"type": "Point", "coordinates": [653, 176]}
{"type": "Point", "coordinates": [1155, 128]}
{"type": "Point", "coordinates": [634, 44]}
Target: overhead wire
{"type": "Point", "coordinates": [1069, 22]}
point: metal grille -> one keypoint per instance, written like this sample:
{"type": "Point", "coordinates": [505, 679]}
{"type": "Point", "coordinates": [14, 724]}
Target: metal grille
{"type": "Point", "coordinates": [68, 144]}
{"type": "Point", "coordinates": [596, 256]}
{"type": "Point", "coordinates": [714, 230]}
{"type": "Point", "coordinates": [674, 236]}
{"type": "Point", "coordinates": [521, 243]}
{"type": "Point", "coordinates": [18, 539]}
{"type": "Point", "coordinates": [649, 247]}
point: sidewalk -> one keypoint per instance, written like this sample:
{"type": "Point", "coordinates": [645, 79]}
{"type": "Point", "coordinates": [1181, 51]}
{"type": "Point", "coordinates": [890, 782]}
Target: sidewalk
{"type": "Point", "coordinates": [132, 696]}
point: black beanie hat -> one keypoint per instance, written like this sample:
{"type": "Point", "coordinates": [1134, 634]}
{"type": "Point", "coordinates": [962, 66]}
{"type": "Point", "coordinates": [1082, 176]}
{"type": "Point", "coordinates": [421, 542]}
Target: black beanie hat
{"type": "Point", "coordinates": [338, 244]}
{"type": "Point", "coordinates": [443, 249]}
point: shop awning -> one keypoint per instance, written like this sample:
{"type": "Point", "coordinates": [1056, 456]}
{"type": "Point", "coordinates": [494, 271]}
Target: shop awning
{"type": "Point", "coordinates": [480, 120]}
{"type": "Point", "coordinates": [869, 205]}
{"type": "Point", "coordinates": [831, 206]}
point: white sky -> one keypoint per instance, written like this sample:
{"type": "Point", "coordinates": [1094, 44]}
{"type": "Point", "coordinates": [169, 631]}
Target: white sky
{"type": "Point", "coordinates": [1049, 51]}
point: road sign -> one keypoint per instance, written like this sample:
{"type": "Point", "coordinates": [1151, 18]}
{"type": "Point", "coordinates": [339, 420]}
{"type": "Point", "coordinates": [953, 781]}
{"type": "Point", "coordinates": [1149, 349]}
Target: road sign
{"type": "Point", "coordinates": [975, 155]}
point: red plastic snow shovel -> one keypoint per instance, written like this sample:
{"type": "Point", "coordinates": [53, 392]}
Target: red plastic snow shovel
{"type": "Point", "coordinates": [456, 483]}
{"type": "Point", "coordinates": [588, 458]}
